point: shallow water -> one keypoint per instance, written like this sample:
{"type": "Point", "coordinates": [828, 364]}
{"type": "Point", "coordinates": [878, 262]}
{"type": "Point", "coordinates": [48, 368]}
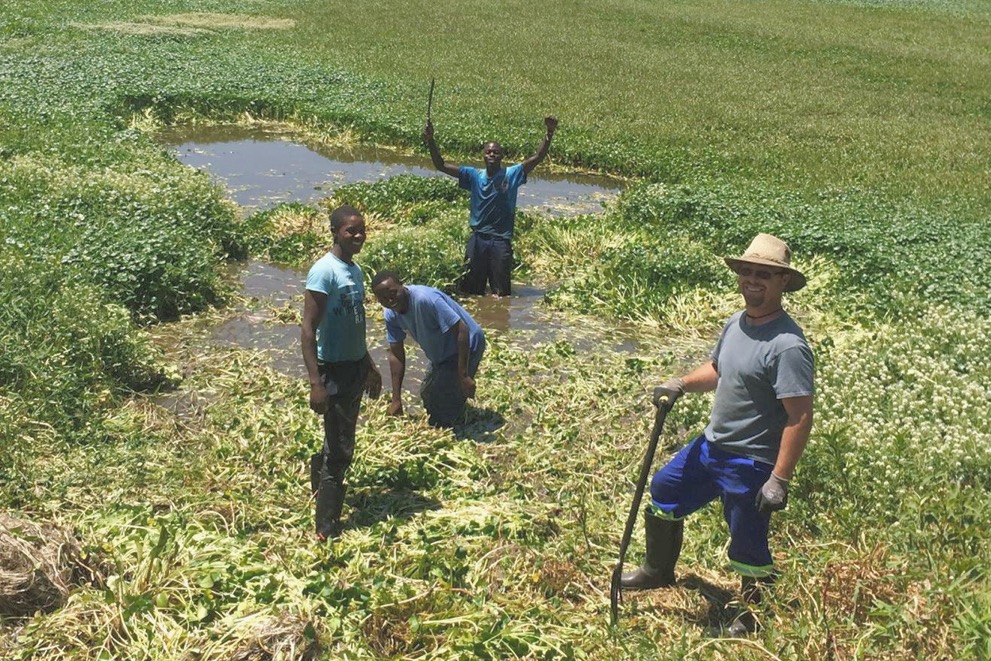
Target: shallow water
{"type": "Point", "coordinates": [262, 168]}
{"type": "Point", "coordinates": [270, 287]}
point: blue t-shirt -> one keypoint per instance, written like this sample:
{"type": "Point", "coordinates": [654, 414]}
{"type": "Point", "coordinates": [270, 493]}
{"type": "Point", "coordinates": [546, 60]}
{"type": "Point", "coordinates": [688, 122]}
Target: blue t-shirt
{"type": "Point", "coordinates": [758, 366]}
{"type": "Point", "coordinates": [341, 333]}
{"type": "Point", "coordinates": [493, 201]}
{"type": "Point", "coordinates": [428, 319]}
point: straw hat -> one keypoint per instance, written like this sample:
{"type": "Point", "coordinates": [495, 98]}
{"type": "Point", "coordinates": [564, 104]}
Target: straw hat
{"type": "Point", "coordinates": [768, 250]}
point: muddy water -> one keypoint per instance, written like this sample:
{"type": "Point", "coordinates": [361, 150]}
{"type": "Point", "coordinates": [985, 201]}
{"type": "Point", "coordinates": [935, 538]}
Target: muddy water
{"type": "Point", "coordinates": [262, 168]}
{"type": "Point", "coordinates": [271, 289]}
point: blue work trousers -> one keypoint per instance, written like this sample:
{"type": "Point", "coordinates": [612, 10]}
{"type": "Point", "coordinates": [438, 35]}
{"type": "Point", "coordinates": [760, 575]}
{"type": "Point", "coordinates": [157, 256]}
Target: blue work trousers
{"type": "Point", "coordinates": [702, 472]}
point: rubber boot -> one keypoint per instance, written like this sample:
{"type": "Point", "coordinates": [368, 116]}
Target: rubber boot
{"type": "Point", "coordinates": [330, 504]}
{"type": "Point", "coordinates": [316, 463]}
{"type": "Point", "coordinates": [663, 548]}
{"type": "Point", "coordinates": [745, 622]}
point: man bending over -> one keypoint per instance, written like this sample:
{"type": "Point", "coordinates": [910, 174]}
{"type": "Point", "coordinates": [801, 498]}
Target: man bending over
{"type": "Point", "coordinates": [450, 338]}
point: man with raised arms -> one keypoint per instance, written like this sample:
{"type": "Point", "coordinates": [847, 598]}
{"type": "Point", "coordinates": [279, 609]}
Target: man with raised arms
{"type": "Point", "coordinates": [489, 253]}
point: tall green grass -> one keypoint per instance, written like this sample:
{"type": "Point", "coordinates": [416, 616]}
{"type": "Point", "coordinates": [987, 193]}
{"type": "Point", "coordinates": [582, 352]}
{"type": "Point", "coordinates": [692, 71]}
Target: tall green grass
{"type": "Point", "coordinates": [806, 95]}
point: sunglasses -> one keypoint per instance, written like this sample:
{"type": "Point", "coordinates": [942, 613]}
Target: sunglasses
{"type": "Point", "coordinates": [760, 274]}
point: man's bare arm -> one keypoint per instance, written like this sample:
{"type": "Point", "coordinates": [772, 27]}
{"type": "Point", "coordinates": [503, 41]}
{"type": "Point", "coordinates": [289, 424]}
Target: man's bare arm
{"type": "Point", "coordinates": [314, 307]}
{"type": "Point", "coordinates": [397, 368]}
{"type": "Point", "coordinates": [701, 379]}
{"type": "Point", "coordinates": [464, 351]}
{"type": "Point", "coordinates": [795, 436]}
{"type": "Point", "coordinates": [435, 156]}
{"type": "Point", "coordinates": [550, 122]}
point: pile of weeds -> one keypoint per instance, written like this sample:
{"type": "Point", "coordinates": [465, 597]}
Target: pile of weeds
{"type": "Point", "coordinates": [497, 540]}
{"type": "Point", "coordinates": [39, 565]}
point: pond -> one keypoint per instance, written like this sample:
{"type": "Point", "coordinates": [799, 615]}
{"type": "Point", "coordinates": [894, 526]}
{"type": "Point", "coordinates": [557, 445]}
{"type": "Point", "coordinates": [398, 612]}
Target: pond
{"type": "Point", "coordinates": [270, 287]}
{"type": "Point", "coordinates": [261, 168]}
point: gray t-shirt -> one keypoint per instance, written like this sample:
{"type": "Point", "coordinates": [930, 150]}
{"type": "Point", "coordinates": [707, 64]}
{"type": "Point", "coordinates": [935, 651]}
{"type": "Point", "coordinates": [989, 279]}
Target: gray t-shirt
{"type": "Point", "coordinates": [758, 366]}
{"type": "Point", "coordinates": [430, 316]}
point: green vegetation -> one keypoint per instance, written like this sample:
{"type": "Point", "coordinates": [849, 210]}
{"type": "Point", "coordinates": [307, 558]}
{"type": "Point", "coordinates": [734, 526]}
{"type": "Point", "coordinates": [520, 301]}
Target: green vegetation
{"type": "Point", "coordinates": [856, 130]}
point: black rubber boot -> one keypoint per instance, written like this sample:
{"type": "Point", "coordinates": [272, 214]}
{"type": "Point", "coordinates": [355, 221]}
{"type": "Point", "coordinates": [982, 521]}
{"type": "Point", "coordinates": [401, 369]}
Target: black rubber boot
{"type": "Point", "coordinates": [745, 622]}
{"type": "Point", "coordinates": [330, 504]}
{"type": "Point", "coordinates": [663, 548]}
{"type": "Point", "coordinates": [316, 463]}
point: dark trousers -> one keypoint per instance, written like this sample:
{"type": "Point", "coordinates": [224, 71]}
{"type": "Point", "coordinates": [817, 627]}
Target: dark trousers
{"type": "Point", "coordinates": [441, 390]}
{"type": "Point", "coordinates": [346, 381]}
{"type": "Point", "coordinates": [487, 259]}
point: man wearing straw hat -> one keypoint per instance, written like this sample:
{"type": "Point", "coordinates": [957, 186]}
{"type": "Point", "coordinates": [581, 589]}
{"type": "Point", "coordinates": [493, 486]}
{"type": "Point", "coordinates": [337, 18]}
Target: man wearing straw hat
{"type": "Point", "coordinates": [762, 372]}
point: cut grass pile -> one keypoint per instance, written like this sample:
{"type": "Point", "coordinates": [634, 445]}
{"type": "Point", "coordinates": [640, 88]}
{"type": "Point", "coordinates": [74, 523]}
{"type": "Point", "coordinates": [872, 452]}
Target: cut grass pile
{"type": "Point", "coordinates": [39, 565]}
{"type": "Point", "coordinates": [498, 542]}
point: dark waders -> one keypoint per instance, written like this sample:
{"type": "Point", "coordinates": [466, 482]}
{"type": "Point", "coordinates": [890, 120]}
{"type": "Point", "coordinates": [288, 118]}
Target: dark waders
{"type": "Point", "coordinates": [345, 382]}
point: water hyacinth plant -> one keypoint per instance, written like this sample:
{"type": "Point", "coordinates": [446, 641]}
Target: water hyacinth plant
{"type": "Point", "coordinates": [856, 132]}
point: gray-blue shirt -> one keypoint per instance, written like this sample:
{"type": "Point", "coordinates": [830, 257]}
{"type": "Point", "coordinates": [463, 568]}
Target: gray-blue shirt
{"type": "Point", "coordinates": [341, 333]}
{"type": "Point", "coordinates": [493, 201]}
{"type": "Point", "coordinates": [429, 317]}
{"type": "Point", "coordinates": [758, 366]}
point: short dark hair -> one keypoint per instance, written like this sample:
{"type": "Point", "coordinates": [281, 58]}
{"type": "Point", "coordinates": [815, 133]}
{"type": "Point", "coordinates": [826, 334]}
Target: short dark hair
{"type": "Point", "coordinates": [384, 275]}
{"type": "Point", "coordinates": [341, 214]}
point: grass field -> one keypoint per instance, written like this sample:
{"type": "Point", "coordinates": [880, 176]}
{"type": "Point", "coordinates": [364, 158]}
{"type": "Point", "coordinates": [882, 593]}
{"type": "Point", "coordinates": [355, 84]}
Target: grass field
{"type": "Point", "coordinates": [859, 131]}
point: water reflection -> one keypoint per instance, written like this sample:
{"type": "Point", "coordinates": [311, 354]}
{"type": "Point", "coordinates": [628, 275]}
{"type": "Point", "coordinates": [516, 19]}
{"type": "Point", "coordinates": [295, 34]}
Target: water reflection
{"type": "Point", "coordinates": [523, 316]}
{"type": "Point", "coordinates": [263, 168]}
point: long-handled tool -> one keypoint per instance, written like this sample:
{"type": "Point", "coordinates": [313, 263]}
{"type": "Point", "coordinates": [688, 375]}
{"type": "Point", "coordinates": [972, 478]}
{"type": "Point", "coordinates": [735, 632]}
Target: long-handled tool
{"type": "Point", "coordinates": [615, 588]}
{"type": "Point", "coordinates": [430, 100]}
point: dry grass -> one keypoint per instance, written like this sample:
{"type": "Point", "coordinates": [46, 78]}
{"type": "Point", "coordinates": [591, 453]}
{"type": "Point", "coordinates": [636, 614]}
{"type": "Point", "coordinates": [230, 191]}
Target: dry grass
{"type": "Point", "coordinates": [189, 25]}
{"type": "Point", "coordinates": [853, 591]}
{"type": "Point", "coordinates": [288, 221]}
{"type": "Point", "coordinates": [283, 637]}
{"type": "Point", "coordinates": [39, 565]}
{"type": "Point", "coordinates": [143, 29]}
{"type": "Point", "coordinates": [388, 631]}
{"type": "Point", "coordinates": [212, 21]}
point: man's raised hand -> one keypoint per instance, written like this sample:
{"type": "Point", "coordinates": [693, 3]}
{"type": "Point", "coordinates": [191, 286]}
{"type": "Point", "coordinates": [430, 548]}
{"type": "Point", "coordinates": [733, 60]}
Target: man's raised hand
{"type": "Point", "coordinates": [551, 123]}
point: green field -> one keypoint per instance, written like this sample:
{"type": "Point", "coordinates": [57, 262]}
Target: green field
{"type": "Point", "coordinates": [858, 131]}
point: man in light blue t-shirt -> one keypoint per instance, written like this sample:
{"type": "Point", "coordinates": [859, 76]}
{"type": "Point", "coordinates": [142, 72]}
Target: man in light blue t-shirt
{"type": "Point", "coordinates": [762, 372]}
{"type": "Point", "coordinates": [450, 338]}
{"type": "Point", "coordinates": [489, 253]}
{"type": "Point", "coordinates": [337, 362]}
